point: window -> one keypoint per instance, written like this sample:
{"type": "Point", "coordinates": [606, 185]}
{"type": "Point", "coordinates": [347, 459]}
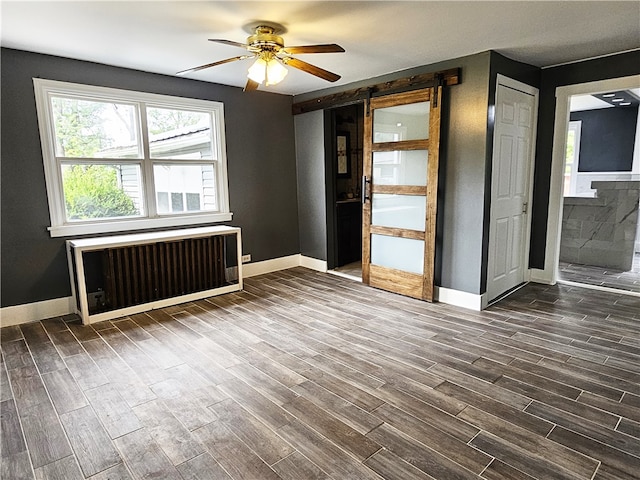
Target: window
{"type": "Point", "coordinates": [571, 158]}
{"type": "Point", "coordinates": [119, 160]}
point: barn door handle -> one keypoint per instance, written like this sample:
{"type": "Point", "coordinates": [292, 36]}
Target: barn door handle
{"type": "Point", "coordinates": [365, 181]}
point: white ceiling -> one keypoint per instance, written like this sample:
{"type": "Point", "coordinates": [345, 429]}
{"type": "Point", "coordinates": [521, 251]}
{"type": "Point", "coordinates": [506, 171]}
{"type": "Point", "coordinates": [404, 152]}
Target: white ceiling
{"type": "Point", "coordinates": [379, 36]}
{"type": "Point", "coordinates": [579, 103]}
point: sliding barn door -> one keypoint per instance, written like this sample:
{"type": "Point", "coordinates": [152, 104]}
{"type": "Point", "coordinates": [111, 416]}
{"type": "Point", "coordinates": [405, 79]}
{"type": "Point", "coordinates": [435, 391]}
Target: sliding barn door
{"type": "Point", "coordinates": [400, 186]}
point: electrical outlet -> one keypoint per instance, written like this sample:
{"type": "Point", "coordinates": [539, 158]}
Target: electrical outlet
{"type": "Point", "coordinates": [246, 258]}
{"type": "Point", "coordinates": [95, 299]}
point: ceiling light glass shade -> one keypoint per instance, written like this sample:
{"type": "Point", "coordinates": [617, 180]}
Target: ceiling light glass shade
{"type": "Point", "coordinates": [258, 70]}
{"type": "Point", "coordinates": [275, 72]}
{"type": "Point", "coordinates": [268, 71]}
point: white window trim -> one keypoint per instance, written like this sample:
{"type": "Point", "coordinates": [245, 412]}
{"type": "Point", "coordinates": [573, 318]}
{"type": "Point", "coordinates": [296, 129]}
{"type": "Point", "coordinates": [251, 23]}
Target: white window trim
{"type": "Point", "coordinates": [53, 178]}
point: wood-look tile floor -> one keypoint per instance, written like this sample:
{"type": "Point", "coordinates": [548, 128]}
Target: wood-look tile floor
{"type": "Point", "coordinates": [354, 269]}
{"type": "Point", "coordinates": [604, 277]}
{"type": "Point", "coordinates": [309, 376]}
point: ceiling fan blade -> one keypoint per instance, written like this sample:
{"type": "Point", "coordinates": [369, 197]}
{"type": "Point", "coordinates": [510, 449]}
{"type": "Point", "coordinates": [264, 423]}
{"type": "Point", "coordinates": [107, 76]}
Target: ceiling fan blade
{"type": "Point", "coordinates": [229, 42]}
{"type": "Point", "coordinates": [208, 65]}
{"type": "Point", "coordinates": [312, 69]}
{"type": "Point", "coordinates": [250, 86]}
{"type": "Point", "coordinates": [328, 48]}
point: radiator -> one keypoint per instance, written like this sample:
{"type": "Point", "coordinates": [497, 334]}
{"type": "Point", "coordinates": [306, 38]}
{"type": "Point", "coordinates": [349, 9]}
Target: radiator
{"type": "Point", "coordinates": [117, 276]}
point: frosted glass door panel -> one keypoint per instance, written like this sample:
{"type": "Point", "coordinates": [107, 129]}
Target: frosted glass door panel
{"type": "Point", "coordinates": [399, 211]}
{"type": "Point", "coordinates": [398, 253]}
{"type": "Point", "coordinates": [400, 167]}
{"type": "Point", "coordinates": [402, 122]}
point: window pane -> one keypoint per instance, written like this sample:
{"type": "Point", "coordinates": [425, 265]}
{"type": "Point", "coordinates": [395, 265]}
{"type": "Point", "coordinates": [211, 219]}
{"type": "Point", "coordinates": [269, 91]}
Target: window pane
{"type": "Point", "coordinates": [92, 129]}
{"type": "Point", "coordinates": [399, 211]}
{"type": "Point", "coordinates": [163, 201]}
{"type": "Point", "coordinates": [179, 134]}
{"type": "Point", "coordinates": [404, 254]}
{"type": "Point", "coordinates": [400, 167]}
{"type": "Point", "coordinates": [193, 201]}
{"type": "Point", "coordinates": [195, 183]}
{"type": "Point", "coordinates": [101, 191]}
{"type": "Point", "coordinates": [402, 122]}
{"type": "Point", "coordinates": [177, 205]}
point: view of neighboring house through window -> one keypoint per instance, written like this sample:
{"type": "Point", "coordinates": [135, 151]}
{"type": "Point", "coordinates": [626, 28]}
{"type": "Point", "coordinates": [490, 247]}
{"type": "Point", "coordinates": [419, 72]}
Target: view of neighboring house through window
{"type": "Point", "coordinates": [120, 160]}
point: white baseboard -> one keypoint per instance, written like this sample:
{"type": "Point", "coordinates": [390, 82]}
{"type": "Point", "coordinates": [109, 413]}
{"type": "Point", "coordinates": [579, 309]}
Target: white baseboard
{"type": "Point", "coordinates": [313, 264]}
{"type": "Point", "coordinates": [540, 276]}
{"type": "Point", "coordinates": [460, 299]}
{"type": "Point", "coordinates": [32, 312]}
{"type": "Point", "coordinates": [282, 263]}
{"type": "Point", "coordinates": [268, 266]}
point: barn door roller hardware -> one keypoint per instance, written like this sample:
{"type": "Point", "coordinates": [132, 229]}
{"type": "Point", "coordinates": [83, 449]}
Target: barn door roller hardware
{"type": "Point", "coordinates": [359, 95]}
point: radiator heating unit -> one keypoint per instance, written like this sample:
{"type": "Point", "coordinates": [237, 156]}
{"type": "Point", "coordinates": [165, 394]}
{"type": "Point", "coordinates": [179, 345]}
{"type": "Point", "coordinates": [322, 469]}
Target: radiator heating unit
{"type": "Point", "coordinates": [121, 275]}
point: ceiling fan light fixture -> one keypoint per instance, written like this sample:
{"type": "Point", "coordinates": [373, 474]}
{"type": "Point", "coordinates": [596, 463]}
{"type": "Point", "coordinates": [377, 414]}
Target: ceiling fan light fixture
{"type": "Point", "coordinates": [258, 71]}
{"type": "Point", "coordinates": [275, 72]}
{"type": "Point", "coordinates": [271, 56]}
{"type": "Point", "coordinates": [267, 69]}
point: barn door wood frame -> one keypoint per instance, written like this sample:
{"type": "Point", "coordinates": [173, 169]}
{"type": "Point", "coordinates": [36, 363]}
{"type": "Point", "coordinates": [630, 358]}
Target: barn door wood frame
{"type": "Point", "coordinates": [400, 183]}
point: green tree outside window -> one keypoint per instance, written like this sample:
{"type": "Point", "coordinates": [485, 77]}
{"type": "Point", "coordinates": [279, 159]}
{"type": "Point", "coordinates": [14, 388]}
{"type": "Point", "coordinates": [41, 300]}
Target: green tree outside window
{"type": "Point", "coordinates": [92, 191]}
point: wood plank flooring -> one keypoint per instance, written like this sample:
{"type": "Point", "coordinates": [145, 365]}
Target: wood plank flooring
{"type": "Point", "coordinates": [308, 376]}
{"type": "Point", "coordinates": [601, 276]}
{"type": "Point", "coordinates": [353, 269]}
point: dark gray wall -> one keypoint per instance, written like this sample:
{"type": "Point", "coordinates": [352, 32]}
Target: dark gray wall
{"type": "Point", "coordinates": [312, 209]}
{"type": "Point", "coordinates": [614, 66]}
{"type": "Point", "coordinates": [260, 154]}
{"type": "Point", "coordinates": [463, 165]}
{"type": "Point", "coordinates": [607, 139]}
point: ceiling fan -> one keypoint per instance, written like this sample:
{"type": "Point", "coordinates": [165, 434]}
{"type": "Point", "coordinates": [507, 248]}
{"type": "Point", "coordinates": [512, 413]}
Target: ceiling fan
{"type": "Point", "coordinates": [267, 47]}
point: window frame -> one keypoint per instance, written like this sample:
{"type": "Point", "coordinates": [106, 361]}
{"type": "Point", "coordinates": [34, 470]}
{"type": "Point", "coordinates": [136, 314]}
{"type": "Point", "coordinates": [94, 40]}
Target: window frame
{"type": "Point", "coordinates": [60, 226]}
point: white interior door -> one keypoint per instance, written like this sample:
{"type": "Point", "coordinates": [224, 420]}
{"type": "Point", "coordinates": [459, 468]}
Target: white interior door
{"type": "Point", "coordinates": [514, 137]}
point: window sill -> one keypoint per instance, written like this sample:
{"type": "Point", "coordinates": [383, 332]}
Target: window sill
{"type": "Point", "coordinates": [131, 225]}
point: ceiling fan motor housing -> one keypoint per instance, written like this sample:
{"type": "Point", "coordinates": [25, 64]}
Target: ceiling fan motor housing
{"type": "Point", "coordinates": [265, 39]}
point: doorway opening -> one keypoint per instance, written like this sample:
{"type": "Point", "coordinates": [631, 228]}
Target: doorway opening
{"type": "Point", "coordinates": [348, 133]}
{"type": "Point", "coordinates": [600, 226]}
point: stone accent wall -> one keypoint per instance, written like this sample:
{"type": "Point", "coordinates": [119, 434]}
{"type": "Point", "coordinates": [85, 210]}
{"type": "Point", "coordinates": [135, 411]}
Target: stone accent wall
{"type": "Point", "coordinates": [601, 231]}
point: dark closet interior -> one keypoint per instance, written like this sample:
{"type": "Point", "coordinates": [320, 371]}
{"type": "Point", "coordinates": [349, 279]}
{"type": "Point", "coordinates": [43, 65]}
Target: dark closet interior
{"type": "Point", "coordinates": [348, 134]}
